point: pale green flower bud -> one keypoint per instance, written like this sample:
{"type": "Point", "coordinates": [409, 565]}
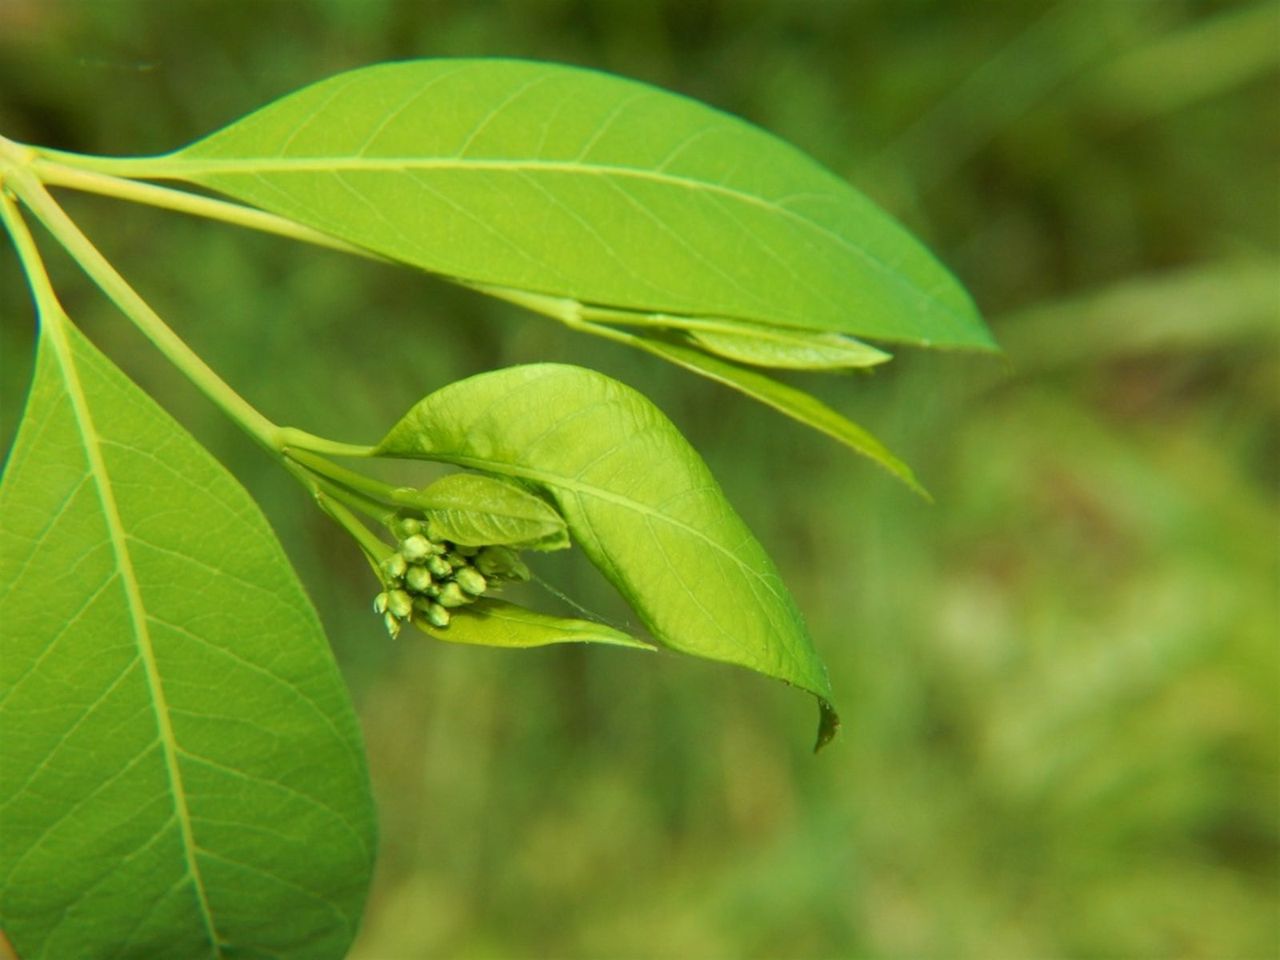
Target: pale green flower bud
{"type": "Point", "coordinates": [415, 548]}
{"type": "Point", "coordinates": [439, 567]}
{"type": "Point", "coordinates": [437, 615]}
{"type": "Point", "coordinates": [399, 603]}
{"type": "Point", "coordinates": [380, 603]}
{"type": "Point", "coordinates": [417, 579]}
{"type": "Point", "coordinates": [392, 625]}
{"type": "Point", "coordinates": [470, 580]}
{"type": "Point", "coordinates": [451, 595]}
{"type": "Point", "coordinates": [405, 527]}
{"type": "Point", "coordinates": [394, 566]}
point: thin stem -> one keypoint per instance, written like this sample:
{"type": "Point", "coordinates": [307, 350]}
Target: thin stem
{"type": "Point", "coordinates": [367, 488]}
{"type": "Point", "coordinates": [301, 440]}
{"type": "Point", "coordinates": [32, 193]}
{"type": "Point", "coordinates": [155, 168]}
{"type": "Point", "coordinates": [332, 500]}
{"type": "Point", "coordinates": [58, 174]}
{"type": "Point", "coordinates": [335, 489]}
{"type": "Point", "coordinates": [42, 292]}
{"type": "Point", "coordinates": [373, 548]}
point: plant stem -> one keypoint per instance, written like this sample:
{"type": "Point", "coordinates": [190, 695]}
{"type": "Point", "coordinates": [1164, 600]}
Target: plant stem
{"type": "Point", "coordinates": [301, 440]}
{"type": "Point", "coordinates": [367, 488]}
{"type": "Point", "coordinates": [154, 167]}
{"type": "Point", "coordinates": [58, 174]}
{"type": "Point", "coordinates": [42, 292]}
{"type": "Point", "coordinates": [33, 194]}
{"type": "Point", "coordinates": [374, 549]}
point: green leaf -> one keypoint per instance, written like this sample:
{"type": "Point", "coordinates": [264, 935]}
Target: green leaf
{"type": "Point", "coordinates": [639, 501]}
{"type": "Point", "coordinates": [475, 510]}
{"type": "Point", "coordinates": [182, 774]}
{"type": "Point", "coordinates": [785, 349]}
{"type": "Point", "coordinates": [573, 183]}
{"type": "Point", "coordinates": [796, 404]}
{"type": "Point", "coordinates": [494, 623]}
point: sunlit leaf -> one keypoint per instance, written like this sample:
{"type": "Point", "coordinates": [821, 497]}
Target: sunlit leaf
{"type": "Point", "coordinates": [639, 502]}
{"type": "Point", "coordinates": [182, 775]}
{"type": "Point", "coordinates": [568, 182]}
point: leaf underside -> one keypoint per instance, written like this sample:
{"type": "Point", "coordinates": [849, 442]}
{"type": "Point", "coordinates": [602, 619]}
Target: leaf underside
{"type": "Point", "coordinates": [495, 623]}
{"type": "Point", "coordinates": [573, 183]}
{"type": "Point", "coordinates": [475, 510]}
{"type": "Point", "coordinates": [182, 774]}
{"type": "Point", "coordinates": [638, 500]}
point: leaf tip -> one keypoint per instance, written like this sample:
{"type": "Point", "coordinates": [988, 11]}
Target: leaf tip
{"type": "Point", "coordinates": [828, 724]}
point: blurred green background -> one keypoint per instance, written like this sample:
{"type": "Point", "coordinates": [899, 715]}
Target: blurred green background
{"type": "Point", "coordinates": [1059, 683]}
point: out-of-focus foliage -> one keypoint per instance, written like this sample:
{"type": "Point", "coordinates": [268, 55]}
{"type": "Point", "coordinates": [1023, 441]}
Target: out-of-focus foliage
{"type": "Point", "coordinates": [1060, 682]}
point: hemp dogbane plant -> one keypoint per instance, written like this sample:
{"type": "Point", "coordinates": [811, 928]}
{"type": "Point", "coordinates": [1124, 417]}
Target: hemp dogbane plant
{"type": "Point", "coordinates": [182, 774]}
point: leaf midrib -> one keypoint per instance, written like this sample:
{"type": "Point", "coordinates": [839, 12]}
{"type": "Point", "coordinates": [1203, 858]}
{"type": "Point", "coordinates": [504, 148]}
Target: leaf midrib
{"type": "Point", "coordinates": [180, 167]}
{"type": "Point", "coordinates": [53, 327]}
{"type": "Point", "coordinates": [589, 490]}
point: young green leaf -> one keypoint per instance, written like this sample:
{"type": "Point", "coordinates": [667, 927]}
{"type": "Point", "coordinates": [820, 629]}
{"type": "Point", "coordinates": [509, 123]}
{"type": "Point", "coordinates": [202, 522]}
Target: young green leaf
{"type": "Point", "coordinates": [758, 344]}
{"type": "Point", "coordinates": [639, 501]}
{"type": "Point", "coordinates": [494, 623]}
{"type": "Point", "coordinates": [573, 183]}
{"type": "Point", "coordinates": [787, 400]}
{"type": "Point", "coordinates": [763, 346]}
{"type": "Point", "coordinates": [475, 510]}
{"type": "Point", "coordinates": [182, 774]}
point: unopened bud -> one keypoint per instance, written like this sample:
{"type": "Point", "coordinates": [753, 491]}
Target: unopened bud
{"type": "Point", "coordinates": [439, 566]}
{"type": "Point", "coordinates": [399, 603]}
{"type": "Point", "coordinates": [470, 580]}
{"type": "Point", "coordinates": [415, 548]}
{"type": "Point", "coordinates": [451, 595]}
{"type": "Point", "coordinates": [418, 579]}
{"type": "Point", "coordinates": [437, 615]}
{"type": "Point", "coordinates": [380, 603]}
{"type": "Point", "coordinates": [406, 527]}
{"type": "Point", "coordinates": [394, 566]}
{"type": "Point", "coordinates": [392, 625]}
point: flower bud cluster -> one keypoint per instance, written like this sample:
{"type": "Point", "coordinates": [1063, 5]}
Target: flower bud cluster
{"type": "Point", "coordinates": [429, 577]}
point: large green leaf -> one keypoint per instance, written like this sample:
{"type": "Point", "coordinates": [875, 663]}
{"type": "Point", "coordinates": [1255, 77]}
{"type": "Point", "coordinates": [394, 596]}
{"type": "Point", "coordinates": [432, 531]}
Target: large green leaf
{"type": "Point", "coordinates": [569, 182]}
{"type": "Point", "coordinates": [182, 774]}
{"type": "Point", "coordinates": [638, 500]}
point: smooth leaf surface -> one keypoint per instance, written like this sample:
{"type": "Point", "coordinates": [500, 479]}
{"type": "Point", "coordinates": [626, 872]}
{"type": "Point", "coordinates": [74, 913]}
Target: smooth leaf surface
{"type": "Point", "coordinates": [785, 349]}
{"type": "Point", "coordinates": [476, 510]}
{"type": "Point", "coordinates": [182, 774]}
{"type": "Point", "coordinates": [799, 406]}
{"type": "Point", "coordinates": [639, 501]}
{"type": "Point", "coordinates": [495, 623]}
{"type": "Point", "coordinates": [573, 183]}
